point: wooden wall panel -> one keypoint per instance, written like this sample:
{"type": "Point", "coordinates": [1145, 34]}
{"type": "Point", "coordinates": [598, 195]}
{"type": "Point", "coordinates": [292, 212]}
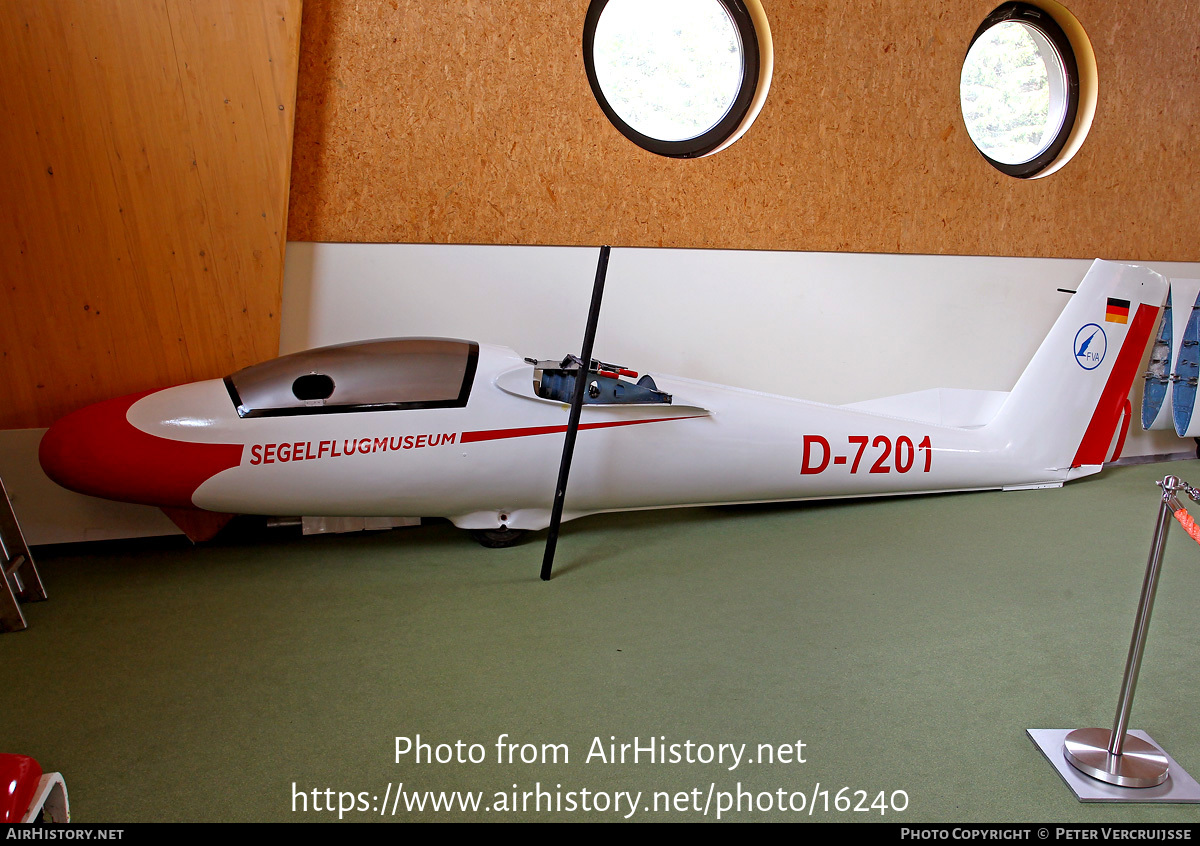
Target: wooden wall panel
{"type": "Point", "coordinates": [473, 122]}
{"type": "Point", "coordinates": [144, 165]}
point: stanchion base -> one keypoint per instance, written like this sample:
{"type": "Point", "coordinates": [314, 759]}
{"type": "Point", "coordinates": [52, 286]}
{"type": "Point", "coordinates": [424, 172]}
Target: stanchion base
{"type": "Point", "coordinates": [1179, 788]}
{"type": "Point", "coordinates": [1140, 764]}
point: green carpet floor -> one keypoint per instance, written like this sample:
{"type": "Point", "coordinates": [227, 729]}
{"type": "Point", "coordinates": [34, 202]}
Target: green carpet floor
{"type": "Point", "coordinates": [907, 643]}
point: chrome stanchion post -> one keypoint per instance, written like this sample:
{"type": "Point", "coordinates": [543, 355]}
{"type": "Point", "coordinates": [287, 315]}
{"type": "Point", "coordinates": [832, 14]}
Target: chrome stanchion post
{"type": "Point", "coordinates": [1141, 624]}
{"type": "Point", "coordinates": [1115, 756]}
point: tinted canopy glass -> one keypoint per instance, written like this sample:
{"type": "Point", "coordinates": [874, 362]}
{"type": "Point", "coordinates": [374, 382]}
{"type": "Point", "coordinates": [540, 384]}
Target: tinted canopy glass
{"type": "Point", "coordinates": [364, 376]}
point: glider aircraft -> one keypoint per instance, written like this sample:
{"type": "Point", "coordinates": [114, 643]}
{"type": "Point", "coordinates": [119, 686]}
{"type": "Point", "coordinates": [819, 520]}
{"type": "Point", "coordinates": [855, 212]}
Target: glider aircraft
{"type": "Point", "coordinates": [436, 427]}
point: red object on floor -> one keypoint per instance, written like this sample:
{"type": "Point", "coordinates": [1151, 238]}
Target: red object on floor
{"type": "Point", "coordinates": [19, 776]}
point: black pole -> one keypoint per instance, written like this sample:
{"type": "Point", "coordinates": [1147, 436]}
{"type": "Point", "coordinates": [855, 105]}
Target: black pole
{"type": "Point", "coordinates": [564, 468]}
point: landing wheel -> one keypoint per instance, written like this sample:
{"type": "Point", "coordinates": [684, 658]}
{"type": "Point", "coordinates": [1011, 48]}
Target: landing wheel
{"type": "Point", "coordinates": [498, 538]}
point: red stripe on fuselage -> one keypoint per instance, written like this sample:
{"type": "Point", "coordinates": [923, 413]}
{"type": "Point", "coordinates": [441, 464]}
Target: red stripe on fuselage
{"type": "Point", "coordinates": [498, 434]}
{"type": "Point", "coordinates": [97, 451]}
{"type": "Point", "coordinates": [1096, 440]}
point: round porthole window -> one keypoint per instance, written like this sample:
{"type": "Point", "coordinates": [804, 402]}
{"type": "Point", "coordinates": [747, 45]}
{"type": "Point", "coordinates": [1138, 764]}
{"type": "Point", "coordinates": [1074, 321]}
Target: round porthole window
{"type": "Point", "coordinates": [1019, 89]}
{"type": "Point", "coordinates": [681, 78]}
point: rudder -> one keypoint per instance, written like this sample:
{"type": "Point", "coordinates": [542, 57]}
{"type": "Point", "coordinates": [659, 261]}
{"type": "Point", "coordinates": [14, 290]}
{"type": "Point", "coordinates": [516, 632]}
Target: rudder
{"type": "Point", "coordinates": [1064, 410]}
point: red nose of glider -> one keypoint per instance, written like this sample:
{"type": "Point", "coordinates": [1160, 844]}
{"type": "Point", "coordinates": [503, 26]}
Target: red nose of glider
{"type": "Point", "coordinates": [97, 451]}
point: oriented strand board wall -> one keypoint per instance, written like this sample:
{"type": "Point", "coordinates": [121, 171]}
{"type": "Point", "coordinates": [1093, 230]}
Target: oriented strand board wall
{"type": "Point", "coordinates": [144, 165]}
{"type": "Point", "coordinates": [472, 122]}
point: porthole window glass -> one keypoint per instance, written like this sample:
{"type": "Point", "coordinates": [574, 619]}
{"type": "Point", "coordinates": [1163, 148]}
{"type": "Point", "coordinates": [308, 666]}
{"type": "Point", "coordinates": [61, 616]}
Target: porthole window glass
{"type": "Point", "coordinates": [678, 77]}
{"type": "Point", "coordinates": [1019, 89]}
{"type": "Point", "coordinates": [668, 71]}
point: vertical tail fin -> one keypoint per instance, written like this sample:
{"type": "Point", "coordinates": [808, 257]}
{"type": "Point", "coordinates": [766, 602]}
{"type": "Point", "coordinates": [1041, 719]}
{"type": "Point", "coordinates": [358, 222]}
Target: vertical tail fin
{"type": "Point", "coordinates": [1065, 408]}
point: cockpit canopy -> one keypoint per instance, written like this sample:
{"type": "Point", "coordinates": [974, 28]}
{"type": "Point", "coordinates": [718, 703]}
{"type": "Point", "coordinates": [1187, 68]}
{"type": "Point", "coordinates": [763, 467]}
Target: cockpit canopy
{"type": "Point", "coordinates": [398, 373]}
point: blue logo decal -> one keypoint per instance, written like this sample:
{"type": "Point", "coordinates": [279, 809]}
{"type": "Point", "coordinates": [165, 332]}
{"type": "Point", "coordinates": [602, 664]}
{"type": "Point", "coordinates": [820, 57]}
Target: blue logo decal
{"type": "Point", "coordinates": [1090, 346]}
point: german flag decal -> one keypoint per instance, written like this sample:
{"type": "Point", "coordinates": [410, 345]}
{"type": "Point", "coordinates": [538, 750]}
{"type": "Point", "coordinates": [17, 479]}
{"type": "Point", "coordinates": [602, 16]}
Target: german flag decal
{"type": "Point", "coordinates": [1118, 311]}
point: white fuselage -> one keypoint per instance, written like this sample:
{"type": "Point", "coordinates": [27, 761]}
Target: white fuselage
{"type": "Point", "coordinates": [494, 462]}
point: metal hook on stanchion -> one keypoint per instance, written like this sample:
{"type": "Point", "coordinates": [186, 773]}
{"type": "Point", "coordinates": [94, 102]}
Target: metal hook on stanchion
{"type": "Point", "coordinates": [1115, 756]}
